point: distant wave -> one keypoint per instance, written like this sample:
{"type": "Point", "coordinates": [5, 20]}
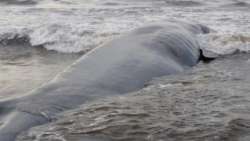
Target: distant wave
{"type": "Point", "coordinates": [240, 4]}
{"type": "Point", "coordinates": [225, 43]}
{"type": "Point", "coordinates": [34, 2]}
{"type": "Point", "coordinates": [19, 2]}
{"type": "Point", "coordinates": [8, 39]}
{"type": "Point", "coordinates": [183, 3]}
{"type": "Point", "coordinates": [237, 4]}
{"type": "Point", "coordinates": [214, 43]}
{"type": "Point", "coordinates": [55, 37]}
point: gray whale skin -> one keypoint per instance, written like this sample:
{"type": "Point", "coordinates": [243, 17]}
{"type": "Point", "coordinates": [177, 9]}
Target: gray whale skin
{"type": "Point", "coordinates": [121, 66]}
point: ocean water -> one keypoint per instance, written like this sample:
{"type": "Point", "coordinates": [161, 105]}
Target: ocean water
{"type": "Point", "coordinates": [211, 102]}
{"type": "Point", "coordinates": [36, 35]}
{"type": "Point", "coordinates": [40, 38]}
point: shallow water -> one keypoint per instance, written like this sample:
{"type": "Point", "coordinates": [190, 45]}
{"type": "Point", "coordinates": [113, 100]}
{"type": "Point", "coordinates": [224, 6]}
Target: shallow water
{"type": "Point", "coordinates": [40, 38]}
{"type": "Point", "coordinates": [209, 103]}
{"type": "Point", "coordinates": [79, 26]}
{"type": "Point", "coordinates": [23, 68]}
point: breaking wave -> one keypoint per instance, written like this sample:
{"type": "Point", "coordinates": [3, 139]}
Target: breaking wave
{"type": "Point", "coordinates": [183, 3]}
{"type": "Point", "coordinates": [56, 37]}
{"type": "Point", "coordinates": [19, 2]}
{"type": "Point", "coordinates": [72, 26]}
{"type": "Point", "coordinates": [67, 40]}
{"type": "Point", "coordinates": [225, 43]}
{"type": "Point", "coordinates": [238, 4]}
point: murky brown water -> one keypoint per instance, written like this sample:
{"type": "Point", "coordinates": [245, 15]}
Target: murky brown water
{"type": "Point", "coordinates": [76, 25]}
{"type": "Point", "coordinates": [23, 68]}
{"type": "Point", "coordinates": [209, 103]}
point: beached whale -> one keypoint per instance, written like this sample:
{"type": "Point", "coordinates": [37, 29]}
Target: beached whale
{"type": "Point", "coordinates": [121, 66]}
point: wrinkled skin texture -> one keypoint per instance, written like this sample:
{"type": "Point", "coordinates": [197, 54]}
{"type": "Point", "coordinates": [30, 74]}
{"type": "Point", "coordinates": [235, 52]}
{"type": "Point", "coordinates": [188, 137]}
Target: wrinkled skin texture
{"type": "Point", "coordinates": [119, 67]}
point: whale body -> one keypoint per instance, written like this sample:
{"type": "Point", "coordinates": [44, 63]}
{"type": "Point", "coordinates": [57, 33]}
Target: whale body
{"type": "Point", "coordinates": [118, 67]}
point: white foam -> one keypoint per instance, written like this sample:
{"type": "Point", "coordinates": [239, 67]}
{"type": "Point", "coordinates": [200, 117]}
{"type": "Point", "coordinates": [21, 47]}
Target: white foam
{"type": "Point", "coordinates": [226, 43]}
{"type": "Point", "coordinates": [68, 29]}
{"type": "Point", "coordinates": [76, 25]}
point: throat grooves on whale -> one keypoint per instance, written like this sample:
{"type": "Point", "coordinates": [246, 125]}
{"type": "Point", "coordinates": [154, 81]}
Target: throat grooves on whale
{"type": "Point", "coordinates": [119, 67]}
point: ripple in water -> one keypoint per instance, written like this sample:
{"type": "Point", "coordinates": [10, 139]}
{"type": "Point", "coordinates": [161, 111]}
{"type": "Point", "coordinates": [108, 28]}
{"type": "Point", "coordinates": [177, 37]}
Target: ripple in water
{"type": "Point", "coordinates": [183, 3]}
{"type": "Point", "coordinates": [209, 103]}
{"type": "Point", "coordinates": [24, 67]}
{"type": "Point", "coordinates": [19, 2]}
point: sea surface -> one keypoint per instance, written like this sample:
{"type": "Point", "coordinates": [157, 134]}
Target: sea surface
{"type": "Point", "coordinates": [210, 102]}
{"type": "Point", "coordinates": [39, 38]}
